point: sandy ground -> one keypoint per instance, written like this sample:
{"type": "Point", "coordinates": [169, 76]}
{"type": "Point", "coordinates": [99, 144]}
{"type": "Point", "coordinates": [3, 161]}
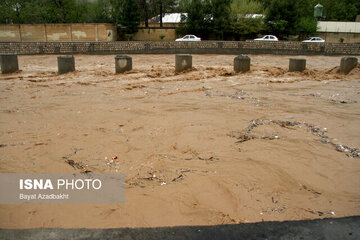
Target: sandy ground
{"type": "Point", "coordinates": [231, 148]}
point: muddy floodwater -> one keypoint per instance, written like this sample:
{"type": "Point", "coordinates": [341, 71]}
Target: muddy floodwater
{"type": "Point", "coordinates": [201, 147]}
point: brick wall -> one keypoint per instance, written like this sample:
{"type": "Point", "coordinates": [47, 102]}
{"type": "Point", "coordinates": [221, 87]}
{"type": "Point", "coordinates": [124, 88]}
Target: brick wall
{"type": "Point", "coordinates": [57, 32]}
{"type": "Point", "coordinates": [153, 34]}
{"type": "Point", "coordinates": [336, 36]}
{"type": "Point", "coordinates": [172, 47]}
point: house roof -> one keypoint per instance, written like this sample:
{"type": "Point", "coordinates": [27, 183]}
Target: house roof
{"type": "Point", "coordinates": [252, 15]}
{"type": "Point", "coordinates": [168, 18]}
{"type": "Point", "coordinates": [346, 27]}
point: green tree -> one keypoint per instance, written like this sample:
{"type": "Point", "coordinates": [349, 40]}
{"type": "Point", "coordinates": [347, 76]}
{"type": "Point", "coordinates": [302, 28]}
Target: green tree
{"type": "Point", "coordinates": [42, 11]}
{"type": "Point", "coordinates": [6, 12]}
{"type": "Point", "coordinates": [344, 10]}
{"type": "Point", "coordinates": [99, 12]}
{"type": "Point", "coordinates": [265, 3]}
{"type": "Point", "coordinates": [249, 27]}
{"type": "Point", "coordinates": [197, 20]}
{"type": "Point", "coordinates": [245, 7]}
{"type": "Point", "coordinates": [9, 11]}
{"type": "Point", "coordinates": [61, 11]}
{"type": "Point", "coordinates": [129, 16]}
{"type": "Point", "coordinates": [334, 10]}
{"type": "Point", "coordinates": [283, 17]}
{"type": "Point", "coordinates": [244, 26]}
{"type": "Point", "coordinates": [144, 11]}
{"type": "Point", "coordinates": [307, 26]}
{"type": "Point", "coordinates": [15, 11]}
{"type": "Point", "coordinates": [160, 7]}
{"type": "Point", "coordinates": [220, 10]}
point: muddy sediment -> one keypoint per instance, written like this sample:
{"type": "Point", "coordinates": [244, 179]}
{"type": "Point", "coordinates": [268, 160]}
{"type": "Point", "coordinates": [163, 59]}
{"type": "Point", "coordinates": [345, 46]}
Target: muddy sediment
{"type": "Point", "coordinates": [202, 147]}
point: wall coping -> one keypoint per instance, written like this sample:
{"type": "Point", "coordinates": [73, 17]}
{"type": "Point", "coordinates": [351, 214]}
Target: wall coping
{"type": "Point", "coordinates": [173, 47]}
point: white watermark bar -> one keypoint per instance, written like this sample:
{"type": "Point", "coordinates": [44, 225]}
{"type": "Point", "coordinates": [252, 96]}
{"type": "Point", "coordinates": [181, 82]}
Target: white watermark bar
{"type": "Point", "coordinates": [107, 188]}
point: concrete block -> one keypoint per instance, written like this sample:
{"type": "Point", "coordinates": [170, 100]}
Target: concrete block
{"type": "Point", "coordinates": [183, 62]}
{"type": "Point", "coordinates": [347, 64]}
{"type": "Point", "coordinates": [66, 64]}
{"type": "Point", "coordinates": [297, 64]}
{"type": "Point", "coordinates": [9, 63]}
{"type": "Point", "coordinates": [123, 63]}
{"type": "Point", "coordinates": [241, 63]}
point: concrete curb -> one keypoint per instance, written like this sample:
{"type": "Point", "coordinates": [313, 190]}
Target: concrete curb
{"type": "Point", "coordinates": [332, 228]}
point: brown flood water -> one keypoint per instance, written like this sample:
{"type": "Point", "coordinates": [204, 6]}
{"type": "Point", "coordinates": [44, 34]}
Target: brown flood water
{"type": "Point", "coordinates": [193, 131]}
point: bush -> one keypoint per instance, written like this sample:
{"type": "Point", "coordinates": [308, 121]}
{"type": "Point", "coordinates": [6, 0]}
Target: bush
{"type": "Point", "coordinates": [129, 37]}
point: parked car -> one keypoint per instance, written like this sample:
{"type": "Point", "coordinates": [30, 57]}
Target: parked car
{"type": "Point", "coordinates": [188, 38]}
{"type": "Point", "coordinates": [267, 38]}
{"type": "Point", "coordinates": [314, 39]}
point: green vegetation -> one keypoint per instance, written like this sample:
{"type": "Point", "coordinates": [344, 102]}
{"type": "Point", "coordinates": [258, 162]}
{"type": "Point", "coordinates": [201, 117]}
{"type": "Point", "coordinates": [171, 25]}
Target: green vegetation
{"type": "Point", "coordinates": [128, 15]}
{"type": "Point", "coordinates": [296, 17]}
{"type": "Point", "coordinates": [209, 19]}
{"type": "Point", "coordinates": [244, 25]}
{"type": "Point", "coordinates": [231, 19]}
{"type": "Point", "coordinates": [41, 11]}
{"type": "Point", "coordinates": [197, 21]}
{"type": "Point", "coordinates": [99, 12]}
{"type": "Point", "coordinates": [341, 10]}
{"type": "Point", "coordinates": [246, 7]}
{"type": "Point", "coordinates": [129, 36]}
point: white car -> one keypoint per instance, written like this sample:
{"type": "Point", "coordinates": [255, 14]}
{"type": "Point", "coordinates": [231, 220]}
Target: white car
{"type": "Point", "coordinates": [315, 39]}
{"type": "Point", "coordinates": [188, 38]}
{"type": "Point", "coordinates": [267, 38]}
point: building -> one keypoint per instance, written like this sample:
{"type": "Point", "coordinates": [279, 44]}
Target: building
{"type": "Point", "coordinates": [347, 32]}
{"type": "Point", "coordinates": [154, 31]}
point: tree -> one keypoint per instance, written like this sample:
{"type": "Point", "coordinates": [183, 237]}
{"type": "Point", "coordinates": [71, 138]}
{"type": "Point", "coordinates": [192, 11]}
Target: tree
{"type": "Point", "coordinates": [344, 10]}
{"type": "Point", "coordinates": [116, 10]}
{"type": "Point", "coordinates": [245, 26]}
{"type": "Point", "coordinates": [10, 11]}
{"type": "Point", "coordinates": [61, 11]}
{"type": "Point", "coordinates": [249, 27]}
{"type": "Point", "coordinates": [6, 12]}
{"type": "Point", "coordinates": [245, 7]}
{"type": "Point", "coordinates": [129, 16]}
{"type": "Point", "coordinates": [163, 6]}
{"type": "Point", "coordinates": [99, 12]}
{"type": "Point", "coordinates": [42, 11]}
{"type": "Point", "coordinates": [282, 17]}
{"type": "Point", "coordinates": [335, 10]}
{"type": "Point", "coordinates": [197, 20]}
{"type": "Point", "coordinates": [16, 11]}
{"type": "Point", "coordinates": [144, 11]}
{"type": "Point", "coordinates": [220, 10]}
{"type": "Point", "coordinates": [306, 27]}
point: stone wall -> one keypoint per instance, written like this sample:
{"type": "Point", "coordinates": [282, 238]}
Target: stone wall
{"type": "Point", "coordinates": [153, 34]}
{"type": "Point", "coordinates": [172, 47]}
{"type": "Point", "coordinates": [57, 32]}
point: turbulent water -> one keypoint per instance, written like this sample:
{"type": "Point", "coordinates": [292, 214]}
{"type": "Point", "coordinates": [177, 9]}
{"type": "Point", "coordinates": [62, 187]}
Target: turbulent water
{"type": "Point", "coordinates": [202, 147]}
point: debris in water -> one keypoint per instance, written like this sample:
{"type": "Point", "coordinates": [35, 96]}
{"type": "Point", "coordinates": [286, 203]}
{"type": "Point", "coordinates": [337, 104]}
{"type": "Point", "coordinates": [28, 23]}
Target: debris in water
{"type": "Point", "coordinates": [245, 135]}
{"type": "Point", "coordinates": [77, 165]}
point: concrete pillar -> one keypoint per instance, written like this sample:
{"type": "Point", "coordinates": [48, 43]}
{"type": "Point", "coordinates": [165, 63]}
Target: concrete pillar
{"type": "Point", "coordinates": [9, 63]}
{"type": "Point", "coordinates": [123, 63]}
{"type": "Point", "coordinates": [183, 62]}
{"type": "Point", "coordinates": [66, 64]}
{"type": "Point", "coordinates": [297, 64]}
{"type": "Point", "coordinates": [347, 64]}
{"type": "Point", "coordinates": [241, 63]}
